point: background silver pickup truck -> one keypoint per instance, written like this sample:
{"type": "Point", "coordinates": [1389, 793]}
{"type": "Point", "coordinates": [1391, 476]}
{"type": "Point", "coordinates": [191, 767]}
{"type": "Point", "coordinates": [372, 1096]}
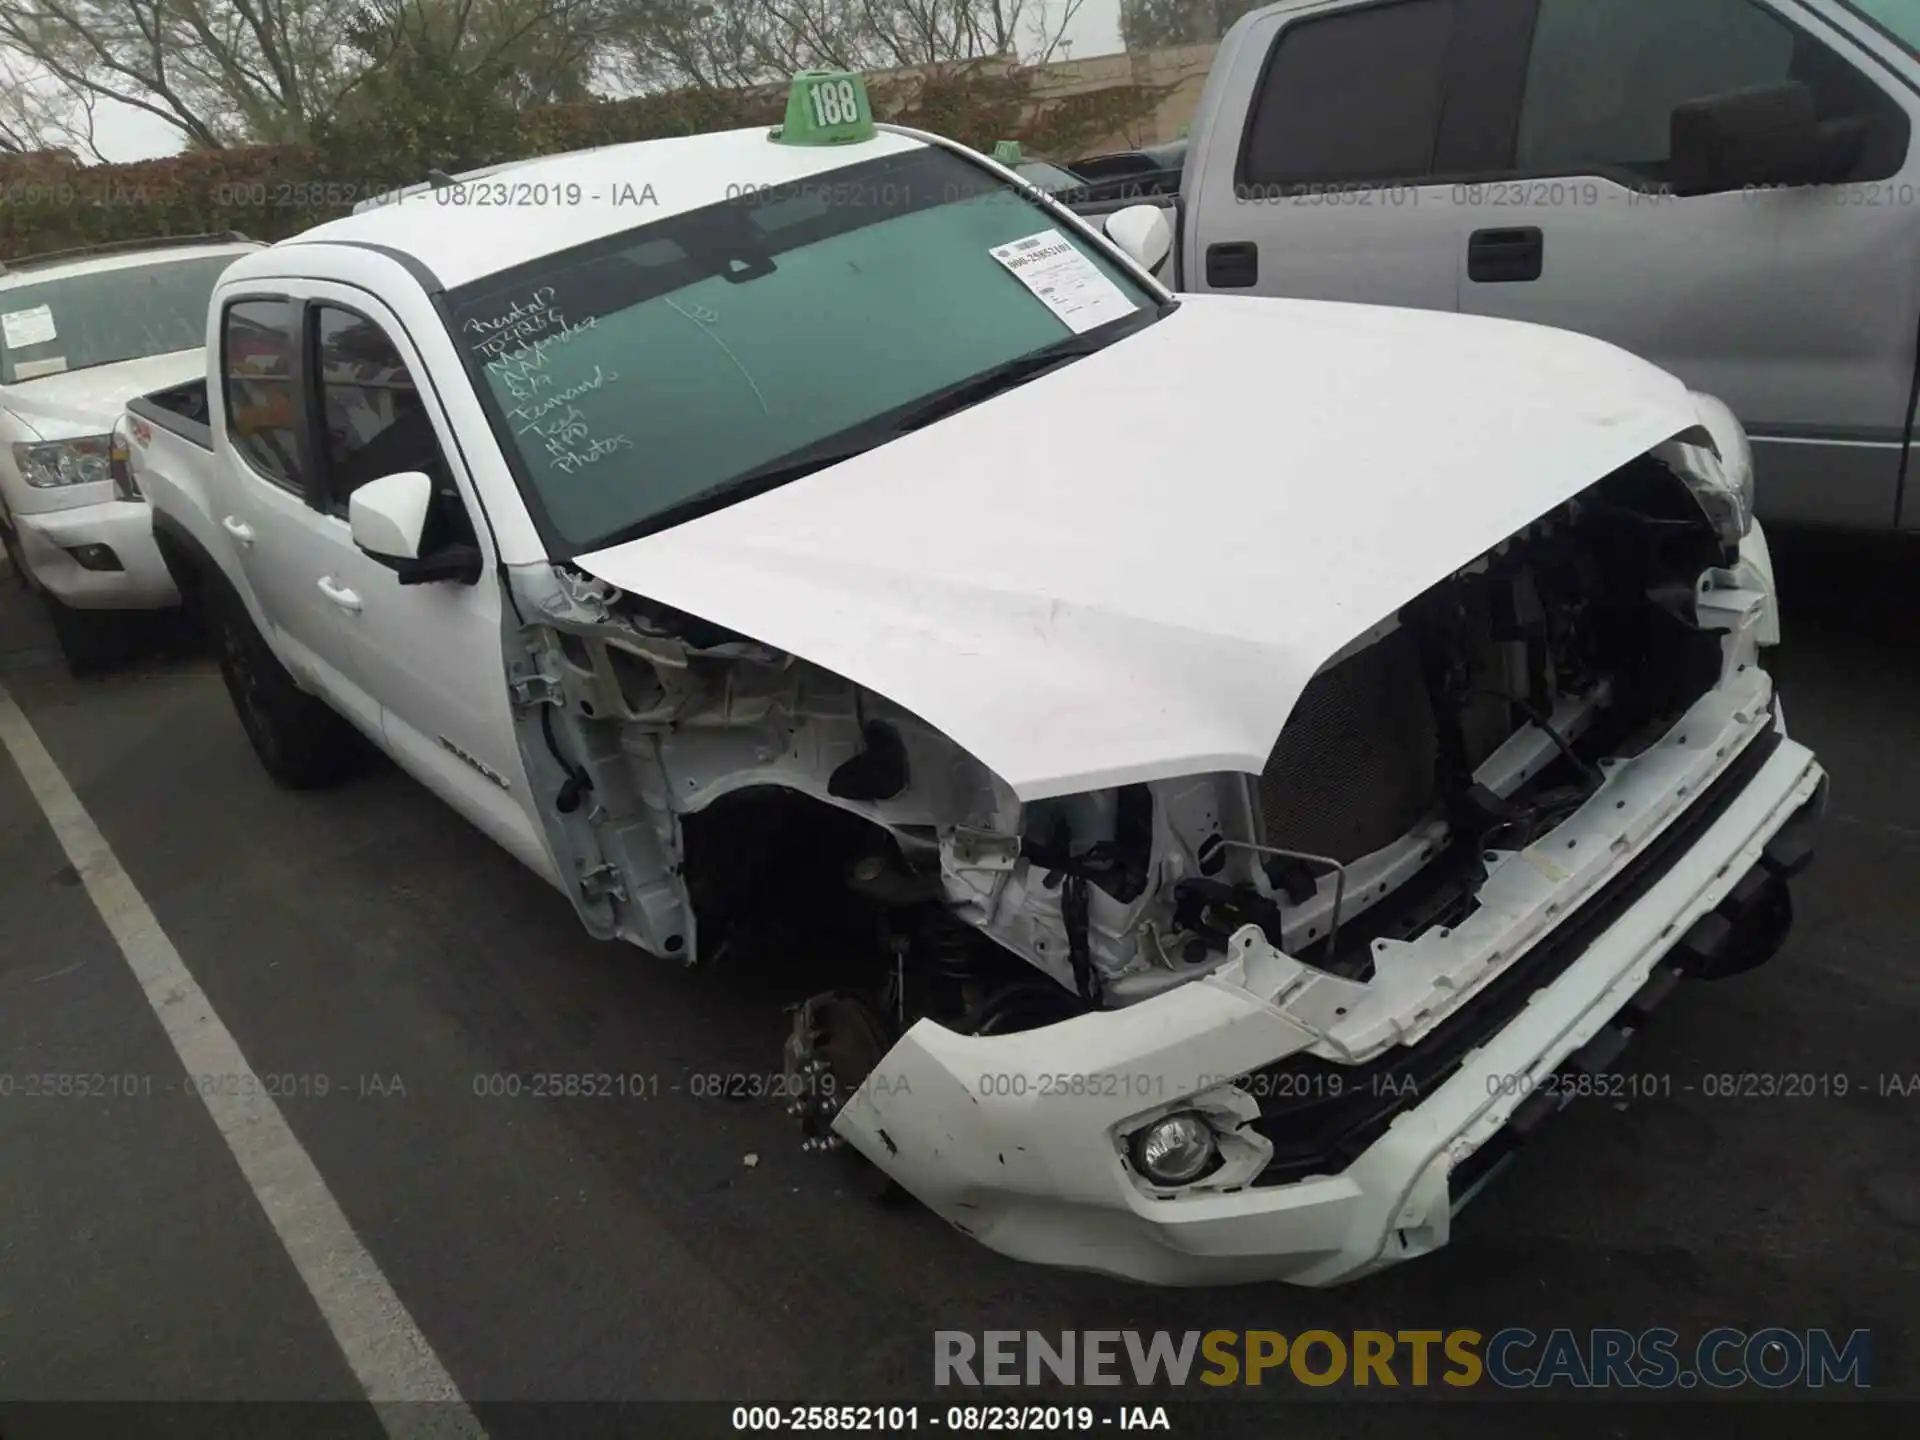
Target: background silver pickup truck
{"type": "Point", "coordinates": [1728, 188]}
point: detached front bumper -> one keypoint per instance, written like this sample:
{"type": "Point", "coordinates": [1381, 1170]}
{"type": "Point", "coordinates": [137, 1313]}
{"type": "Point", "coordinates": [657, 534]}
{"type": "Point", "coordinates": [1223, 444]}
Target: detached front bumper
{"type": "Point", "coordinates": [48, 540]}
{"type": "Point", "coordinates": [1019, 1140]}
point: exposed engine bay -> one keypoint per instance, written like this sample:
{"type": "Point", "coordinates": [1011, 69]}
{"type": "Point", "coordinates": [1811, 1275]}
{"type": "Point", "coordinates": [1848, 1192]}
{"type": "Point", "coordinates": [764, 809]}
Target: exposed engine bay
{"type": "Point", "coordinates": [703, 784]}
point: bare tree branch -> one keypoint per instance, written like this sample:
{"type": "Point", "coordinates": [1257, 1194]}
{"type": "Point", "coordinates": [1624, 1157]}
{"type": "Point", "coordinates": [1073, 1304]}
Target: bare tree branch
{"type": "Point", "coordinates": [221, 72]}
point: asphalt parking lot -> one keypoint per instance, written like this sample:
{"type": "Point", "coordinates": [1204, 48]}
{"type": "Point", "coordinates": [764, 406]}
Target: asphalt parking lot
{"type": "Point", "coordinates": [367, 942]}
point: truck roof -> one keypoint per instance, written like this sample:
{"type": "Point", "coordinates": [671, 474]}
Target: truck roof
{"type": "Point", "coordinates": [460, 234]}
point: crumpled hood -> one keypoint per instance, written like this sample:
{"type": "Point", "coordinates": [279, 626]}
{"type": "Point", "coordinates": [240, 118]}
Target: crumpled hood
{"type": "Point", "coordinates": [88, 402]}
{"type": "Point", "coordinates": [1130, 568]}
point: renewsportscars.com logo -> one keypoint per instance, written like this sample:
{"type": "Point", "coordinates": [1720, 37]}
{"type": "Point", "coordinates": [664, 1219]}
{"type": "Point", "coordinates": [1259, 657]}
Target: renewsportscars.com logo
{"type": "Point", "coordinates": [1512, 1359]}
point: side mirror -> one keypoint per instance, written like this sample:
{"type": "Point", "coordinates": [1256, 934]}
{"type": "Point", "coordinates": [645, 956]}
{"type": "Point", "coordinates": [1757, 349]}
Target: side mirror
{"type": "Point", "coordinates": [1763, 135]}
{"type": "Point", "coordinates": [1143, 232]}
{"type": "Point", "coordinates": [389, 519]}
{"type": "Point", "coordinates": [388, 516]}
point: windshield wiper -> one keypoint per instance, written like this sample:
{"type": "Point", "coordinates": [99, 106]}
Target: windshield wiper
{"type": "Point", "coordinates": [792, 467]}
{"type": "Point", "coordinates": [771, 476]}
{"type": "Point", "coordinates": [871, 434]}
{"type": "Point", "coordinates": [995, 380]}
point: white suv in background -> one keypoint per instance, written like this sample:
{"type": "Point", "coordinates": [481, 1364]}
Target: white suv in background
{"type": "Point", "coordinates": [81, 333]}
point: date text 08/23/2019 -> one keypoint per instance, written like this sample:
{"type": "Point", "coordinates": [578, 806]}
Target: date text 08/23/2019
{"type": "Point", "coordinates": [959, 1419]}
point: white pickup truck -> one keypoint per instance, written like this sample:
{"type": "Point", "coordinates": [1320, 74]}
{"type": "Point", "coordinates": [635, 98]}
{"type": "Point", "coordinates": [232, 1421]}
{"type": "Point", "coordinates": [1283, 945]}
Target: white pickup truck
{"type": "Point", "coordinates": [1727, 188]}
{"type": "Point", "coordinates": [1222, 841]}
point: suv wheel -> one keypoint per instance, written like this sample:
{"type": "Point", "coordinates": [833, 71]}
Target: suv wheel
{"type": "Point", "coordinates": [301, 741]}
{"type": "Point", "coordinates": [15, 560]}
{"type": "Point", "coordinates": [88, 638]}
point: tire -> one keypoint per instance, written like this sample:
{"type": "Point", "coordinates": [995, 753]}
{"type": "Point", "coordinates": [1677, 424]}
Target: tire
{"type": "Point", "coordinates": [17, 562]}
{"type": "Point", "coordinates": [302, 743]}
{"type": "Point", "coordinates": [89, 639]}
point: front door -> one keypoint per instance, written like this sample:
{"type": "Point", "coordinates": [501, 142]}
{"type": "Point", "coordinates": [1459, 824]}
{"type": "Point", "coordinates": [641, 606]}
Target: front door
{"type": "Point", "coordinates": [433, 653]}
{"type": "Point", "coordinates": [1795, 306]}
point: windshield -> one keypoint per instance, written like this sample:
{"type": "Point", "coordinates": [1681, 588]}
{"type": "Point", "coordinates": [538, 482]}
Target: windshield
{"type": "Point", "coordinates": [680, 366]}
{"type": "Point", "coordinates": [1899, 18]}
{"type": "Point", "coordinates": [105, 316]}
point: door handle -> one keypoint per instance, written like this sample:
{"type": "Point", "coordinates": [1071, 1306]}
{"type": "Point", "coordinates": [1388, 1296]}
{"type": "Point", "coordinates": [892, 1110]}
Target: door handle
{"type": "Point", "coordinates": [1496, 257]}
{"type": "Point", "coordinates": [338, 594]}
{"type": "Point", "coordinates": [238, 529]}
{"type": "Point", "coordinates": [1233, 265]}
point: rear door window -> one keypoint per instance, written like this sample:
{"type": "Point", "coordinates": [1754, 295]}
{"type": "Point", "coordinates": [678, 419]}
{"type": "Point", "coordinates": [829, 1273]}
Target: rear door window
{"type": "Point", "coordinates": [1351, 99]}
{"type": "Point", "coordinates": [259, 344]}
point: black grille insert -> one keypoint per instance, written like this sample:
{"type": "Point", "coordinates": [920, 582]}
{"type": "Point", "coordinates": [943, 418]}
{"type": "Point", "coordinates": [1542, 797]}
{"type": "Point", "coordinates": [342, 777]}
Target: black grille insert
{"type": "Point", "coordinates": [1354, 768]}
{"type": "Point", "coordinates": [1321, 1116]}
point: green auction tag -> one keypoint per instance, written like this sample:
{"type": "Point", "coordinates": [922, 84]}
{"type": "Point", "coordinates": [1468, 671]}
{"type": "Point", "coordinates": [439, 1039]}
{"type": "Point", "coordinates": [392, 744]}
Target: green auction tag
{"type": "Point", "coordinates": [826, 107]}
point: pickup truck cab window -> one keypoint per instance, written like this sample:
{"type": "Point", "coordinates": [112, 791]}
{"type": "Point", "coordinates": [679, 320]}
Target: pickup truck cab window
{"type": "Point", "coordinates": [637, 381]}
{"type": "Point", "coordinates": [259, 340]}
{"type": "Point", "coordinates": [1605, 77]}
{"type": "Point", "coordinates": [373, 419]}
{"type": "Point", "coordinates": [1351, 97]}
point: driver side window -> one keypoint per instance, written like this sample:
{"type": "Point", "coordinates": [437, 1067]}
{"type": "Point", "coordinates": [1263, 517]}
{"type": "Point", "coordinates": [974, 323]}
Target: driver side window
{"type": "Point", "coordinates": [373, 420]}
{"type": "Point", "coordinates": [1605, 76]}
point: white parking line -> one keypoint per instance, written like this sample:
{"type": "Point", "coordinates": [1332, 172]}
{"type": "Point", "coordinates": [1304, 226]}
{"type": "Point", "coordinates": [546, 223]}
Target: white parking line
{"type": "Point", "coordinates": [391, 1358]}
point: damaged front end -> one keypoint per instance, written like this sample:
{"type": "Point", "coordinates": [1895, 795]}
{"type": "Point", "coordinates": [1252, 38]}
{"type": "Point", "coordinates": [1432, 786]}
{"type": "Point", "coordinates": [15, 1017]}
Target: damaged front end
{"type": "Point", "coordinates": [1029, 988]}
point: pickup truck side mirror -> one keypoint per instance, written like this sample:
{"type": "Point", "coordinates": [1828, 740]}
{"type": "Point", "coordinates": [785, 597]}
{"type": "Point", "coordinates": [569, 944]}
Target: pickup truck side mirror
{"type": "Point", "coordinates": [389, 519]}
{"type": "Point", "coordinates": [1762, 135]}
{"type": "Point", "coordinates": [389, 515]}
{"type": "Point", "coordinates": [1143, 232]}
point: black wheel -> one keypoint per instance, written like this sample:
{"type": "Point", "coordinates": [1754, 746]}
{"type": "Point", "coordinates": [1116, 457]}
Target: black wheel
{"type": "Point", "coordinates": [16, 562]}
{"type": "Point", "coordinates": [87, 637]}
{"type": "Point", "coordinates": [301, 741]}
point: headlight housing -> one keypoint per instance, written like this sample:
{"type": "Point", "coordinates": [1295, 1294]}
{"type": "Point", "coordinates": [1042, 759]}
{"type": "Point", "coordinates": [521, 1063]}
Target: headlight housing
{"type": "Point", "coordinates": [50, 464]}
{"type": "Point", "coordinates": [1716, 462]}
{"type": "Point", "coordinates": [120, 466]}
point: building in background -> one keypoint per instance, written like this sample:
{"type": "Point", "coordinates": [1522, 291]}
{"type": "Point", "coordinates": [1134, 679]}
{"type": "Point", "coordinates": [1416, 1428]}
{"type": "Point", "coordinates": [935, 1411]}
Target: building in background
{"type": "Point", "coordinates": [1160, 24]}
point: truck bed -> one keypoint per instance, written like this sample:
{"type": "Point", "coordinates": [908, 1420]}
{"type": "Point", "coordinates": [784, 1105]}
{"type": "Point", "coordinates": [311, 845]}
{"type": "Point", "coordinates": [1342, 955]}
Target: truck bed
{"type": "Point", "coordinates": [181, 410]}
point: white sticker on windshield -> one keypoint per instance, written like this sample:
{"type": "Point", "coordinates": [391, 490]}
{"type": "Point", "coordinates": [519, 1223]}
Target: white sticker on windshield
{"type": "Point", "coordinates": [27, 327]}
{"type": "Point", "coordinates": [1064, 280]}
{"type": "Point", "coordinates": [34, 369]}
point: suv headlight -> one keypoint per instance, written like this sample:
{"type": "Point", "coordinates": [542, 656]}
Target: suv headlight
{"type": "Point", "coordinates": [83, 461]}
{"type": "Point", "coordinates": [1716, 462]}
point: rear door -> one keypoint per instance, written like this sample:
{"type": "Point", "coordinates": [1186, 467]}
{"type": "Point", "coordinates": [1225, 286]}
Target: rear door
{"type": "Point", "coordinates": [1795, 306]}
{"type": "Point", "coordinates": [1316, 175]}
{"type": "Point", "coordinates": [263, 478]}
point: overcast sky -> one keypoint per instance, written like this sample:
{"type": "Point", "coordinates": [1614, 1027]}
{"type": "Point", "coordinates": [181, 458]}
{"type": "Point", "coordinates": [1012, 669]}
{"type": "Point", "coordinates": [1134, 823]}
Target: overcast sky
{"type": "Point", "coordinates": [124, 133]}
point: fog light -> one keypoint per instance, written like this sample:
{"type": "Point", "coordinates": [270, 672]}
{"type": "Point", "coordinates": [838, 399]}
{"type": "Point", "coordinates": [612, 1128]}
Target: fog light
{"type": "Point", "coordinates": [95, 557]}
{"type": "Point", "coordinates": [1174, 1150]}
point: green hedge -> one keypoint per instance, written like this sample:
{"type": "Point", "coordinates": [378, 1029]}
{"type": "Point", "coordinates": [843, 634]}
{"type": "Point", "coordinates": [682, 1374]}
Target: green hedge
{"type": "Point", "coordinates": [49, 202]}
